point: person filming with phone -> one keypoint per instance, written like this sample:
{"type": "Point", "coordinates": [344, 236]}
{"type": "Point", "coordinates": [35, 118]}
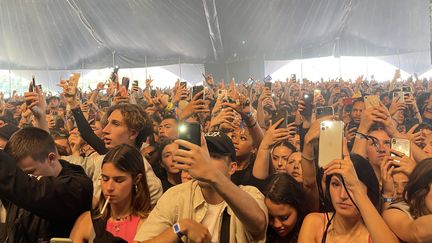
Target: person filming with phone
{"type": "Point", "coordinates": [209, 208]}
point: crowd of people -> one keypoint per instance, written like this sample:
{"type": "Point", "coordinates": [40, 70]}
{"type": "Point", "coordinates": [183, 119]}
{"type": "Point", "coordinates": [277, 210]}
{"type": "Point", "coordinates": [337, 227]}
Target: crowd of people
{"type": "Point", "coordinates": [218, 162]}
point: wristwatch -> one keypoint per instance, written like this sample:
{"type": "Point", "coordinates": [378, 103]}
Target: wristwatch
{"type": "Point", "coordinates": [388, 200]}
{"type": "Point", "coordinates": [177, 230]}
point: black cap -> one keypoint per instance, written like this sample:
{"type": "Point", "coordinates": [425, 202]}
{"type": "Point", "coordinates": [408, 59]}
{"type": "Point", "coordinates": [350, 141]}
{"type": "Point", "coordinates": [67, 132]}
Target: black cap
{"type": "Point", "coordinates": [220, 143]}
{"type": "Point", "coordinates": [7, 130]}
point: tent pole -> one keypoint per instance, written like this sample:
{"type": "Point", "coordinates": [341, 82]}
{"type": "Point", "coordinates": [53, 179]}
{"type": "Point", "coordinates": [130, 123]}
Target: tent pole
{"type": "Point", "coordinates": [113, 59]}
{"type": "Point", "coordinates": [180, 68]}
{"type": "Point", "coordinates": [301, 64]}
{"type": "Point", "coordinates": [10, 83]}
{"type": "Point", "coordinates": [430, 26]}
{"type": "Point", "coordinates": [145, 62]}
{"type": "Point", "coordinates": [398, 56]}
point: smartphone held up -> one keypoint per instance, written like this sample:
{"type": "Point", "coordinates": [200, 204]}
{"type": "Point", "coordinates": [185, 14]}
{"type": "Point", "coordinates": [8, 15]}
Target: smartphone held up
{"type": "Point", "coordinates": [330, 141]}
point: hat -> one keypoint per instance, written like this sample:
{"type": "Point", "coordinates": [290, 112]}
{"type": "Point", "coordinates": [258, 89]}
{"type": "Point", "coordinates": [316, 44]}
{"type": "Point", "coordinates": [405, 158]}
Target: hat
{"type": "Point", "coordinates": [220, 143]}
{"type": "Point", "coordinates": [7, 130]}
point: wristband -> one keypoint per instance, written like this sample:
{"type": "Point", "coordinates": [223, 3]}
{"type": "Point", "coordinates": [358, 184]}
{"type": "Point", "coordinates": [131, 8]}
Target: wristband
{"type": "Point", "coordinates": [252, 125]}
{"type": "Point", "coordinates": [388, 200]}
{"type": "Point", "coordinates": [177, 230]}
{"type": "Point", "coordinates": [360, 135]}
{"type": "Point", "coordinates": [169, 107]}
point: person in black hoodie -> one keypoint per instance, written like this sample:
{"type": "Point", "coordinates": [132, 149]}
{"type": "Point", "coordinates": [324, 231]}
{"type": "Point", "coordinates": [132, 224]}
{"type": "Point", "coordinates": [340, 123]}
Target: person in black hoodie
{"type": "Point", "coordinates": [42, 195]}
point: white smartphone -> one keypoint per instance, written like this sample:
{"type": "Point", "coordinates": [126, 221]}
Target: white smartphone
{"type": "Point", "coordinates": [399, 97]}
{"type": "Point", "coordinates": [330, 141]}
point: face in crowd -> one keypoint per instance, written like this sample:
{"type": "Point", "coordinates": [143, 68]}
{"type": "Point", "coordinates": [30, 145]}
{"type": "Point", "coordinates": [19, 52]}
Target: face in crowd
{"type": "Point", "coordinates": [293, 166]}
{"type": "Point", "coordinates": [242, 141]}
{"type": "Point", "coordinates": [116, 131]}
{"type": "Point", "coordinates": [280, 157]}
{"type": "Point", "coordinates": [283, 217]}
{"type": "Point", "coordinates": [168, 128]}
{"type": "Point", "coordinates": [168, 158]}
{"type": "Point", "coordinates": [356, 112]}
{"type": "Point", "coordinates": [378, 147]}
{"type": "Point", "coordinates": [340, 199]}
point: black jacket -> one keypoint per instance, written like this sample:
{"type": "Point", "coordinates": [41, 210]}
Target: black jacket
{"type": "Point", "coordinates": [45, 207]}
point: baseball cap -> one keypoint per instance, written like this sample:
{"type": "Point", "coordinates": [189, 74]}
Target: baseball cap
{"type": "Point", "coordinates": [220, 143]}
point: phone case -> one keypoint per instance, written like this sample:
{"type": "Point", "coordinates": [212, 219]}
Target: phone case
{"type": "Point", "coordinates": [401, 145]}
{"type": "Point", "coordinates": [190, 132]}
{"type": "Point", "coordinates": [371, 101]}
{"type": "Point", "coordinates": [330, 141]}
{"type": "Point", "coordinates": [399, 97]}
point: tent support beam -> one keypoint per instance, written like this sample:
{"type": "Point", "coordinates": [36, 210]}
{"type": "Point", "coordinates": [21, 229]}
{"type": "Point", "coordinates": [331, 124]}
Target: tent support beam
{"type": "Point", "coordinates": [213, 26]}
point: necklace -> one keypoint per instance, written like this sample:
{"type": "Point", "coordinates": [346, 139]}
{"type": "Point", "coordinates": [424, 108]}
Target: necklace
{"type": "Point", "coordinates": [124, 218]}
{"type": "Point", "coordinates": [119, 221]}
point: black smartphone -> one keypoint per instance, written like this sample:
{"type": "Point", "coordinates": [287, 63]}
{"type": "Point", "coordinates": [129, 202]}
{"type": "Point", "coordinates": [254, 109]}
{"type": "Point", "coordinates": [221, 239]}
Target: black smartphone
{"type": "Point", "coordinates": [268, 85]}
{"type": "Point", "coordinates": [291, 119]}
{"type": "Point", "coordinates": [279, 115]}
{"type": "Point", "coordinates": [352, 125]}
{"type": "Point", "coordinates": [125, 82]}
{"type": "Point", "coordinates": [191, 132]}
{"type": "Point", "coordinates": [183, 84]}
{"type": "Point", "coordinates": [324, 111]}
{"type": "Point", "coordinates": [308, 100]}
{"type": "Point", "coordinates": [32, 87]}
{"type": "Point", "coordinates": [293, 77]}
{"type": "Point", "coordinates": [153, 93]}
{"type": "Point", "coordinates": [196, 90]}
{"type": "Point", "coordinates": [33, 82]}
{"type": "Point", "coordinates": [116, 68]}
{"type": "Point", "coordinates": [135, 83]}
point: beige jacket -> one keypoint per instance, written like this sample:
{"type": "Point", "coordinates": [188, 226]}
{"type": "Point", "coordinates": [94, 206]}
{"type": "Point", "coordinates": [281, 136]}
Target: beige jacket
{"type": "Point", "coordinates": [186, 201]}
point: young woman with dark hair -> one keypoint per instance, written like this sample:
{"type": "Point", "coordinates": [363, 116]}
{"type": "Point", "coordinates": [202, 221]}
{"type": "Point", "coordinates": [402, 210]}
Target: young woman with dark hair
{"type": "Point", "coordinates": [169, 175]}
{"type": "Point", "coordinates": [353, 191]}
{"type": "Point", "coordinates": [124, 202]}
{"type": "Point", "coordinates": [284, 199]}
{"type": "Point", "coordinates": [411, 218]}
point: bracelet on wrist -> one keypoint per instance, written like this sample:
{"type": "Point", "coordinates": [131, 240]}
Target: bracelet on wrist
{"type": "Point", "coordinates": [251, 126]}
{"type": "Point", "coordinates": [305, 158]}
{"type": "Point", "coordinates": [388, 199]}
{"type": "Point", "coordinates": [360, 135]}
{"type": "Point", "coordinates": [177, 230]}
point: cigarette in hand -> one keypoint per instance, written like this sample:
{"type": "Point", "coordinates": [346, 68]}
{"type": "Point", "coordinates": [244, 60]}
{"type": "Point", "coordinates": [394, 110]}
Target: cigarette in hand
{"type": "Point", "coordinates": [105, 205]}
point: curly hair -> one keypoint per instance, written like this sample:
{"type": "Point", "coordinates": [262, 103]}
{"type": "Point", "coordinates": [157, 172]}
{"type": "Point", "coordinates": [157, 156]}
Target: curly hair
{"type": "Point", "coordinates": [135, 118]}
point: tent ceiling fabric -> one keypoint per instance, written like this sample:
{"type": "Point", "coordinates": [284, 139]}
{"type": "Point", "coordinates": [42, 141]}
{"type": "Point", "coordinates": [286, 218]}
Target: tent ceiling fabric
{"type": "Point", "coordinates": [82, 34]}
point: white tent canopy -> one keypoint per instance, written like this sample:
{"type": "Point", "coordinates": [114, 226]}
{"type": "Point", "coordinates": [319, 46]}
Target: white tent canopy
{"type": "Point", "coordinates": [81, 34]}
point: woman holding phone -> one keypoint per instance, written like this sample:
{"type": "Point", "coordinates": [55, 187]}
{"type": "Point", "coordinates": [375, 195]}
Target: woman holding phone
{"type": "Point", "coordinates": [124, 202]}
{"type": "Point", "coordinates": [353, 194]}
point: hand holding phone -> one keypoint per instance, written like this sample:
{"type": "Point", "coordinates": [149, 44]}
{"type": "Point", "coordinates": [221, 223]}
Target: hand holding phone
{"type": "Point", "coordinates": [308, 104]}
{"type": "Point", "coordinates": [196, 90]}
{"type": "Point", "coordinates": [190, 132]}
{"type": "Point", "coordinates": [371, 101]}
{"type": "Point", "coordinates": [330, 142]}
